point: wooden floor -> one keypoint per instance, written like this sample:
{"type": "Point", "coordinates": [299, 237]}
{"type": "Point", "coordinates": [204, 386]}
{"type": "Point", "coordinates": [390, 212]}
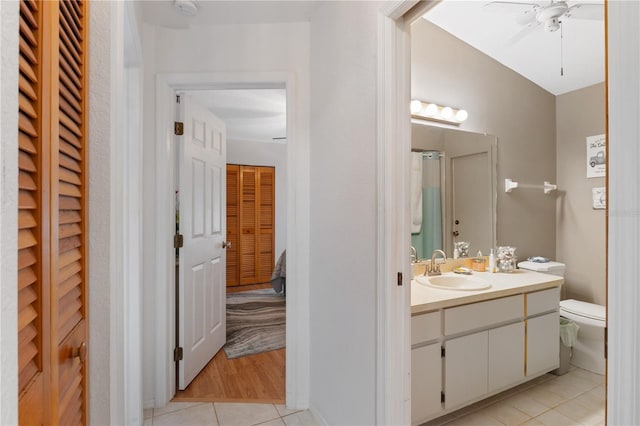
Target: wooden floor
{"type": "Point", "coordinates": [254, 378]}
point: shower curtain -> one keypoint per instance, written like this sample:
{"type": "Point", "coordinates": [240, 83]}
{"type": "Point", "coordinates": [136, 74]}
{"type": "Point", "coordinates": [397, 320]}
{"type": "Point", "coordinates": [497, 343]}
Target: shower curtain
{"type": "Point", "coordinates": [430, 236]}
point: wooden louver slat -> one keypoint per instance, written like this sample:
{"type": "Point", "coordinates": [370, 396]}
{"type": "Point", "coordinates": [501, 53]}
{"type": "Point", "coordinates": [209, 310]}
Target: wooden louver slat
{"type": "Point", "coordinates": [30, 325]}
{"type": "Point", "coordinates": [27, 15]}
{"type": "Point", "coordinates": [70, 286]}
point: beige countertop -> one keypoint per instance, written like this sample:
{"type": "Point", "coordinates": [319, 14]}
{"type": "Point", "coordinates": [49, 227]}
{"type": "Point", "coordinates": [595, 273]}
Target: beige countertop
{"type": "Point", "coordinates": [425, 298]}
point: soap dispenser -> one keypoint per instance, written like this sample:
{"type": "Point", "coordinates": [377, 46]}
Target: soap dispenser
{"type": "Point", "coordinates": [492, 262]}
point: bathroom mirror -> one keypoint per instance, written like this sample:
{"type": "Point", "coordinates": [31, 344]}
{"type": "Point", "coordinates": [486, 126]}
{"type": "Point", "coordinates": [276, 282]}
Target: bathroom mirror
{"type": "Point", "coordinates": [453, 189]}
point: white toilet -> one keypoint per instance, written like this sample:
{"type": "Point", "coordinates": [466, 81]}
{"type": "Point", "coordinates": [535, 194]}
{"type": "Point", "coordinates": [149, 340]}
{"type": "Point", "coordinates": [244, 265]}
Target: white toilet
{"type": "Point", "coordinates": [588, 353]}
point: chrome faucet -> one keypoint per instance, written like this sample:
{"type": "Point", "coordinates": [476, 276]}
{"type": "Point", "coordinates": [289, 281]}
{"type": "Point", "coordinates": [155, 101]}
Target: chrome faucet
{"type": "Point", "coordinates": [433, 268]}
{"type": "Point", "coordinates": [414, 255]}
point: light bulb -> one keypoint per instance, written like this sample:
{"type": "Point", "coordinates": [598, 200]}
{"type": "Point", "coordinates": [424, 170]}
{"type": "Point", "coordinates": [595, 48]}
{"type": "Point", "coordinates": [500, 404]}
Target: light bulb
{"type": "Point", "coordinates": [446, 113]}
{"type": "Point", "coordinates": [432, 110]}
{"type": "Point", "coordinates": [415, 106]}
{"type": "Point", "coordinates": [462, 115]}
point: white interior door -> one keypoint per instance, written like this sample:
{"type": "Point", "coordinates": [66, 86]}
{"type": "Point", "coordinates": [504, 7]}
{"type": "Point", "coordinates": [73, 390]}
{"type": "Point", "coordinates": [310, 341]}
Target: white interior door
{"type": "Point", "coordinates": [471, 209]}
{"type": "Point", "coordinates": [202, 193]}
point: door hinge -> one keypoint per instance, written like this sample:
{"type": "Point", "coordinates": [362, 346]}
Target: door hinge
{"type": "Point", "coordinates": [178, 354]}
{"type": "Point", "coordinates": [400, 278]}
{"type": "Point", "coordinates": [178, 241]}
{"type": "Point", "coordinates": [442, 352]}
{"type": "Point", "coordinates": [177, 99]}
{"type": "Point", "coordinates": [606, 342]}
{"type": "Point", "coordinates": [178, 128]}
{"type": "Point", "coordinates": [442, 397]}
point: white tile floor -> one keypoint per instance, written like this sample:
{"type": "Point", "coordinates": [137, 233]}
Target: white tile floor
{"type": "Point", "coordinates": [574, 399]}
{"type": "Point", "coordinates": [227, 414]}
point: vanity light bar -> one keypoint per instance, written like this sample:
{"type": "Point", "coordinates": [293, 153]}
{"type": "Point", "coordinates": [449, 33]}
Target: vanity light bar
{"type": "Point", "coordinates": [434, 112]}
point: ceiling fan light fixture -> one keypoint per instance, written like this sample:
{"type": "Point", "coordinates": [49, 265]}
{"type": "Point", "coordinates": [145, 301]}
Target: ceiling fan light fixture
{"type": "Point", "coordinates": [551, 25]}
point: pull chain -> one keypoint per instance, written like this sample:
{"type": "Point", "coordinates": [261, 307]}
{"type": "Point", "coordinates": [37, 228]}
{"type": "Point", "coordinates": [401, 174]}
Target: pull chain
{"type": "Point", "coordinates": [561, 52]}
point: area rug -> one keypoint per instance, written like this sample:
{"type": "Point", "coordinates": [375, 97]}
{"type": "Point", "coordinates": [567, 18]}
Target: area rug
{"type": "Point", "coordinates": [255, 323]}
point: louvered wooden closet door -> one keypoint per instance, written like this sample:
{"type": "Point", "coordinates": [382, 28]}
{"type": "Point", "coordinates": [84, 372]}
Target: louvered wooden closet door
{"type": "Point", "coordinates": [33, 293]}
{"type": "Point", "coordinates": [233, 224]}
{"type": "Point", "coordinates": [250, 224]}
{"type": "Point", "coordinates": [266, 206]}
{"type": "Point", "coordinates": [68, 242]}
{"type": "Point", "coordinates": [52, 209]}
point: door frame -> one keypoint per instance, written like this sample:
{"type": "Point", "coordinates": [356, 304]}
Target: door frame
{"type": "Point", "coordinates": [393, 365]}
{"type": "Point", "coordinates": [297, 329]}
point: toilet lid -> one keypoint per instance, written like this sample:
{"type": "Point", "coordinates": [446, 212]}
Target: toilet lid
{"type": "Point", "coordinates": [541, 267]}
{"type": "Point", "coordinates": [584, 309]}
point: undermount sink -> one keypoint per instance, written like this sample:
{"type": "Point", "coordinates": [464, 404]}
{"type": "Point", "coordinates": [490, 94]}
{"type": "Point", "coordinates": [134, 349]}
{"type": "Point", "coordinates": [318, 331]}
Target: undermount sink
{"type": "Point", "coordinates": [454, 282]}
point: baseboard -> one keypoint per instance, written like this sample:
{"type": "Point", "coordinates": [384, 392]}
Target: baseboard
{"type": "Point", "coordinates": [318, 416]}
{"type": "Point", "coordinates": [150, 403]}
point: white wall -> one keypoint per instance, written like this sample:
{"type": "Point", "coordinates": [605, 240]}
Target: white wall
{"type": "Point", "coordinates": [8, 212]}
{"type": "Point", "coordinates": [581, 235]}
{"type": "Point", "coordinates": [272, 155]}
{"type": "Point", "coordinates": [343, 211]}
{"type": "Point", "coordinates": [225, 49]}
{"type": "Point", "coordinates": [148, 224]}
{"type": "Point", "coordinates": [100, 197]}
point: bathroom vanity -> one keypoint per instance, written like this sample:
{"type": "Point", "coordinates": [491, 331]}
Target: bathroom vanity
{"type": "Point", "coordinates": [469, 345]}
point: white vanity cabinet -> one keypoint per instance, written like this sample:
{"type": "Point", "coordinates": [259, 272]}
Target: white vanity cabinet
{"type": "Point", "coordinates": [487, 360]}
{"type": "Point", "coordinates": [543, 331]}
{"type": "Point", "coordinates": [469, 352]}
{"type": "Point", "coordinates": [506, 356]}
{"type": "Point", "coordinates": [465, 368]}
{"type": "Point", "coordinates": [426, 365]}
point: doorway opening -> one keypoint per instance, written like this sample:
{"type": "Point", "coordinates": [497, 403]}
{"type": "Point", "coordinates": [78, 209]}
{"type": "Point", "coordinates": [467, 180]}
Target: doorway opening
{"type": "Point", "coordinates": [250, 367]}
{"type": "Point", "coordinates": [439, 76]}
{"type": "Point", "coordinates": [296, 351]}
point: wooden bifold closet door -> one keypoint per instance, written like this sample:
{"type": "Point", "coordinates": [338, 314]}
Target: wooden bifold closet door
{"type": "Point", "coordinates": [52, 227]}
{"type": "Point", "coordinates": [250, 224]}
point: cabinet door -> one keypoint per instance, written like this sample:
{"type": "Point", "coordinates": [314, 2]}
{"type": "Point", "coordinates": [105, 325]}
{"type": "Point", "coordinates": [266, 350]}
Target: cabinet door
{"type": "Point", "coordinates": [543, 340]}
{"type": "Point", "coordinates": [465, 369]}
{"type": "Point", "coordinates": [426, 382]}
{"type": "Point", "coordinates": [506, 356]}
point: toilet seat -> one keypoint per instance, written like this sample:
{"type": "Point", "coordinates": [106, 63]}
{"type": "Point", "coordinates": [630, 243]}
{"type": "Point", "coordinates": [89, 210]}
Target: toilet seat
{"type": "Point", "coordinates": [584, 310]}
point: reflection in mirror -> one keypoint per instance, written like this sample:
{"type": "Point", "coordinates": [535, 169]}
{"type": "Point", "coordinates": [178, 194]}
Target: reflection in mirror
{"type": "Point", "coordinates": [453, 189]}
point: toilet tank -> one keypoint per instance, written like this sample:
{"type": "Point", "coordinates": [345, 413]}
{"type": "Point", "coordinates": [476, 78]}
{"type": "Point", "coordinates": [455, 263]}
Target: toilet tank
{"type": "Point", "coordinates": [551, 268]}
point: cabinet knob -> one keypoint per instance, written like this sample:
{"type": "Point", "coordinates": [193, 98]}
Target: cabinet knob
{"type": "Point", "coordinates": [80, 352]}
{"type": "Point", "coordinates": [226, 244]}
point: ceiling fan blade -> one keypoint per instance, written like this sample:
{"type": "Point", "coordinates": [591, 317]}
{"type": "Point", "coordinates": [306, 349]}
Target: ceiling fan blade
{"type": "Point", "coordinates": [527, 17]}
{"type": "Point", "coordinates": [522, 33]}
{"type": "Point", "coordinates": [589, 11]}
{"type": "Point", "coordinates": [511, 6]}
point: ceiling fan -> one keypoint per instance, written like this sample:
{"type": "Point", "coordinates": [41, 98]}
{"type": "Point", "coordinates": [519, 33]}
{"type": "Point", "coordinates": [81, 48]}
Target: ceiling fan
{"type": "Point", "coordinates": [547, 15]}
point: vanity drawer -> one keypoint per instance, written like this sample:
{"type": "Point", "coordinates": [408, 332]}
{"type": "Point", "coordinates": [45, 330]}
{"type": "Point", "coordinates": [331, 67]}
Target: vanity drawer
{"type": "Point", "coordinates": [483, 314]}
{"type": "Point", "coordinates": [543, 301]}
{"type": "Point", "coordinates": [425, 327]}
